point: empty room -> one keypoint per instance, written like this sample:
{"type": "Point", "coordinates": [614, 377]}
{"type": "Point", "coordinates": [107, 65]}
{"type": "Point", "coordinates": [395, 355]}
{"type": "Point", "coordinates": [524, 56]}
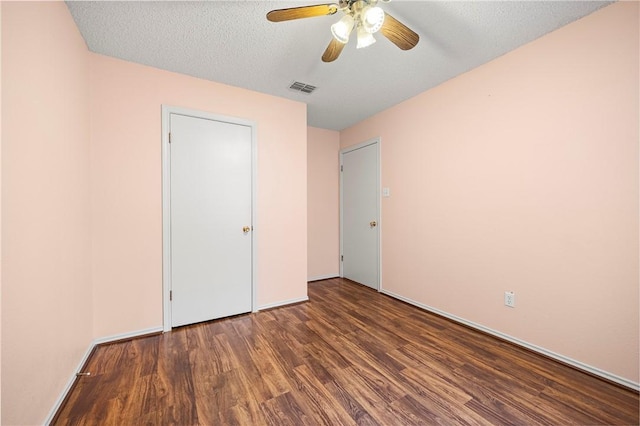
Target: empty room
{"type": "Point", "coordinates": [285, 212]}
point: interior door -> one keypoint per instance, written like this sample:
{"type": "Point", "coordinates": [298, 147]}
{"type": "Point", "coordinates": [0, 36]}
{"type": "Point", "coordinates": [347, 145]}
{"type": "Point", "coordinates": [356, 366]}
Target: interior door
{"type": "Point", "coordinates": [360, 214]}
{"type": "Point", "coordinates": [210, 205]}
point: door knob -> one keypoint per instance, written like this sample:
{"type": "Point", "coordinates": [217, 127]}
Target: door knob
{"type": "Point", "coordinates": [246, 229]}
{"type": "Point", "coordinates": [373, 223]}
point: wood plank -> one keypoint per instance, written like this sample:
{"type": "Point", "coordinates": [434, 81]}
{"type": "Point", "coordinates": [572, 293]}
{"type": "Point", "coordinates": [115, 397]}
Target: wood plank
{"type": "Point", "coordinates": [349, 356]}
{"type": "Point", "coordinates": [320, 399]}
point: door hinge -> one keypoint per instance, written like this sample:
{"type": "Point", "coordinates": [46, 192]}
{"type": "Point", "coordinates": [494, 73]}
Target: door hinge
{"type": "Point", "coordinates": [341, 258]}
{"type": "Point", "coordinates": [169, 137]}
{"type": "Point", "coordinates": [170, 295]}
{"type": "Point", "coordinates": [342, 168]}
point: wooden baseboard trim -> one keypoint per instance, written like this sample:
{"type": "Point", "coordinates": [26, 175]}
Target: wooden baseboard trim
{"type": "Point", "coordinates": [597, 372]}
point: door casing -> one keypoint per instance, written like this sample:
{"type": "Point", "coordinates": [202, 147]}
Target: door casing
{"type": "Point", "coordinates": [166, 202]}
{"type": "Point", "coordinates": [377, 142]}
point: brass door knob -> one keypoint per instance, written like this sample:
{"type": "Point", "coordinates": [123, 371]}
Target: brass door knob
{"type": "Point", "coordinates": [246, 229]}
{"type": "Point", "coordinates": [373, 224]}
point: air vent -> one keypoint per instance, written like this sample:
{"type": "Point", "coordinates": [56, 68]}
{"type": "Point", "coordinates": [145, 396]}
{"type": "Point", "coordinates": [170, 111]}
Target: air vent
{"type": "Point", "coordinates": [302, 87]}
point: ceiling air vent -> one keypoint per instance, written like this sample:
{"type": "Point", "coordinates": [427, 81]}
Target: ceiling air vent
{"type": "Point", "coordinates": [302, 87]}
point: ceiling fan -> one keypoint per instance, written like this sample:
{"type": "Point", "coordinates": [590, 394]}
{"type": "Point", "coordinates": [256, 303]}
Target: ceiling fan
{"type": "Point", "coordinates": [364, 15]}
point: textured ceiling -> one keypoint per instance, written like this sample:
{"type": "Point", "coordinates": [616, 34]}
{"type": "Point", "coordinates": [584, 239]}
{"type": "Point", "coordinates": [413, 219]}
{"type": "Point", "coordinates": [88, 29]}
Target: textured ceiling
{"type": "Point", "coordinates": [232, 42]}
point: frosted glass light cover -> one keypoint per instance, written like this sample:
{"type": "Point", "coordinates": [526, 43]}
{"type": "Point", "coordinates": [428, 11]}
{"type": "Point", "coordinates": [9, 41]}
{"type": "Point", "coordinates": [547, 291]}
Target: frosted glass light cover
{"type": "Point", "coordinates": [342, 28]}
{"type": "Point", "coordinates": [365, 38]}
{"type": "Point", "coordinates": [372, 19]}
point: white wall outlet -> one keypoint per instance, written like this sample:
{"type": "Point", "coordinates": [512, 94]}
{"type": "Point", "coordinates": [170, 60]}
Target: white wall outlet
{"type": "Point", "coordinates": [510, 299]}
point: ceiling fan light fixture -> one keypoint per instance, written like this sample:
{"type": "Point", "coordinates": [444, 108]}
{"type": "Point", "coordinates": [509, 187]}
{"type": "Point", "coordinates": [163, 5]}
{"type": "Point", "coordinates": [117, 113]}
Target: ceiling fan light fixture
{"type": "Point", "coordinates": [342, 28]}
{"type": "Point", "coordinates": [372, 19]}
{"type": "Point", "coordinates": [363, 16]}
{"type": "Point", "coordinates": [365, 38]}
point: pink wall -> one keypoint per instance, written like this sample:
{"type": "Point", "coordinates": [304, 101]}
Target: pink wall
{"type": "Point", "coordinates": [0, 217]}
{"type": "Point", "coordinates": [323, 203]}
{"type": "Point", "coordinates": [46, 290]}
{"type": "Point", "coordinates": [81, 198]}
{"type": "Point", "coordinates": [126, 188]}
{"type": "Point", "coordinates": [523, 175]}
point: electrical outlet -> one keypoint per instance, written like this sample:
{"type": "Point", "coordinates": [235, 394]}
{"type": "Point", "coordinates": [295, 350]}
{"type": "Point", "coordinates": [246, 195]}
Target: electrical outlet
{"type": "Point", "coordinates": [510, 299]}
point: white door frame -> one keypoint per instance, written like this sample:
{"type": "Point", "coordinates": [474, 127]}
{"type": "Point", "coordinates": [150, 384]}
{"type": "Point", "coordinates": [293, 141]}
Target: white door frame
{"type": "Point", "coordinates": [377, 142]}
{"type": "Point", "coordinates": [166, 202]}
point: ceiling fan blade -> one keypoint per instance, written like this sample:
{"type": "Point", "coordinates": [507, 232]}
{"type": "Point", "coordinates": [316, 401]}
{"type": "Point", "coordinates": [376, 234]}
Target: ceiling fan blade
{"type": "Point", "coordinates": [333, 51]}
{"type": "Point", "coordinates": [398, 33]}
{"type": "Point", "coordinates": [280, 15]}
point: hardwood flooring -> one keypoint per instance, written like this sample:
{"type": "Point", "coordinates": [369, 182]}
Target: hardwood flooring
{"type": "Point", "coordinates": [348, 356]}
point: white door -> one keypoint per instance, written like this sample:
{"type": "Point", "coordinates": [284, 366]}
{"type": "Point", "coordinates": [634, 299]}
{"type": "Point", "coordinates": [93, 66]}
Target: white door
{"type": "Point", "coordinates": [210, 219]}
{"type": "Point", "coordinates": [360, 214]}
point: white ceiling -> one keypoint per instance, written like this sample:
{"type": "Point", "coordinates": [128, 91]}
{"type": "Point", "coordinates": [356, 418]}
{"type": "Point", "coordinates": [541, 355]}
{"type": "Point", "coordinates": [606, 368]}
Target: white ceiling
{"type": "Point", "coordinates": [232, 42]}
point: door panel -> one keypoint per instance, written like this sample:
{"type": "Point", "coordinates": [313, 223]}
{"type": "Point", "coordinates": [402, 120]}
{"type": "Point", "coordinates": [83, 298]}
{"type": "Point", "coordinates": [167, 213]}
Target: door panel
{"type": "Point", "coordinates": [360, 217]}
{"type": "Point", "coordinates": [211, 274]}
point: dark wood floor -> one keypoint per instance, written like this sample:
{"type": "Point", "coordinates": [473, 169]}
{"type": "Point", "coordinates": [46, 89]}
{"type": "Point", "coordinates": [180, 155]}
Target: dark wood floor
{"type": "Point", "coordinates": [348, 356]}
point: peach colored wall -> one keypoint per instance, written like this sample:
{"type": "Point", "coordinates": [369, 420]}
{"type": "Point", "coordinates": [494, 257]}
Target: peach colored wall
{"type": "Point", "coordinates": [81, 198]}
{"type": "Point", "coordinates": [523, 175]}
{"type": "Point", "coordinates": [0, 215]}
{"type": "Point", "coordinates": [126, 188]}
{"type": "Point", "coordinates": [323, 203]}
{"type": "Point", "coordinates": [46, 291]}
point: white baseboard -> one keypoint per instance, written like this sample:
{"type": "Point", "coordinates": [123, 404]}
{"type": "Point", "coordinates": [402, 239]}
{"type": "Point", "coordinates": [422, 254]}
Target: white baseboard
{"type": "Point", "coordinates": [322, 277]}
{"type": "Point", "coordinates": [282, 303]}
{"type": "Point", "coordinates": [130, 335]}
{"type": "Point", "coordinates": [574, 363]}
{"type": "Point", "coordinates": [67, 387]}
{"type": "Point", "coordinates": [84, 359]}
